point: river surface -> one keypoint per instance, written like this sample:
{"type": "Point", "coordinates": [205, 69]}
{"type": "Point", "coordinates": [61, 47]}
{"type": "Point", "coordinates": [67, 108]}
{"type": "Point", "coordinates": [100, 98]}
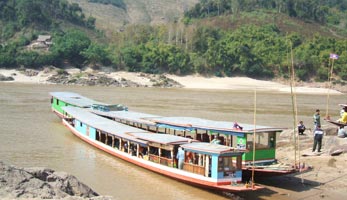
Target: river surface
{"type": "Point", "coordinates": [31, 135]}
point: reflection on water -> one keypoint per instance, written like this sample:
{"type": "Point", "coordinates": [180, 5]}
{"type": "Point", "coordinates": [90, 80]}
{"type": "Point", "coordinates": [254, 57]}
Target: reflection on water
{"type": "Point", "coordinates": [31, 135]}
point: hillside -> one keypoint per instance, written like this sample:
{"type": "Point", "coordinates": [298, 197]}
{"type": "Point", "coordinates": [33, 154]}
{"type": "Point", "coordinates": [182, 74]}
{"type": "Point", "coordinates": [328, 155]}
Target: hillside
{"type": "Point", "coordinates": [111, 18]}
{"type": "Point", "coordinates": [210, 37]}
{"type": "Point", "coordinates": [153, 12]}
{"type": "Point", "coordinates": [285, 23]}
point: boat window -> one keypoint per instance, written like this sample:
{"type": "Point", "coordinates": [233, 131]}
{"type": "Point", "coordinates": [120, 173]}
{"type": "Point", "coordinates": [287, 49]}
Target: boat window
{"type": "Point", "coordinates": [116, 143]}
{"type": "Point", "coordinates": [133, 149]}
{"type": "Point", "coordinates": [103, 137]}
{"type": "Point", "coordinates": [153, 151]}
{"type": "Point", "coordinates": [227, 165]}
{"type": "Point", "coordinates": [194, 163]}
{"type": "Point", "coordinates": [109, 140]}
{"type": "Point", "coordinates": [234, 141]}
{"type": "Point", "coordinates": [189, 157]}
{"type": "Point", "coordinates": [57, 101]}
{"type": "Point", "coordinates": [262, 141]}
{"type": "Point", "coordinates": [97, 136]}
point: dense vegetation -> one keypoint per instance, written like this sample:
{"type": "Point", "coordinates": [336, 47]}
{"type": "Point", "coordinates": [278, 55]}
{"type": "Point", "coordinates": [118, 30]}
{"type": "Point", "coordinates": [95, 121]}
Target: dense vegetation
{"type": "Point", "coordinates": [317, 10]}
{"type": "Point", "coordinates": [220, 37]}
{"type": "Point", "coordinates": [22, 21]}
{"type": "Point", "coordinates": [18, 14]}
{"type": "Point", "coordinates": [117, 3]}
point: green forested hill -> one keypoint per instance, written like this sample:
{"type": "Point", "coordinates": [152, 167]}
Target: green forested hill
{"type": "Point", "coordinates": [220, 37]}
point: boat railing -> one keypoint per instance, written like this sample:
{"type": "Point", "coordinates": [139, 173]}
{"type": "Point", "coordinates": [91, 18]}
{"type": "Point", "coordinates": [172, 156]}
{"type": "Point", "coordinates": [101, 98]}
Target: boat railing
{"type": "Point", "coordinates": [162, 160]}
{"type": "Point", "coordinates": [196, 169]}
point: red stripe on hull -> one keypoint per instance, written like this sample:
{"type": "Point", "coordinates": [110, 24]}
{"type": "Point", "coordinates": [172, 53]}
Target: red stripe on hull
{"type": "Point", "coordinates": [61, 116]}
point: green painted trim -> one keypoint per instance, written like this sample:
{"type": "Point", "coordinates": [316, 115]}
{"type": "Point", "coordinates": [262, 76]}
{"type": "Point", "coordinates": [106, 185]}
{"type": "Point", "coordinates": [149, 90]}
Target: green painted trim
{"type": "Point", "coordinates": [57, 107]}
{"type": "Point", "coordinates": [260, 154]}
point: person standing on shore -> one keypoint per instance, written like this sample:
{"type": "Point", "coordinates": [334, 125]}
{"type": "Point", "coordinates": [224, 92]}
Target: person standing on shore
{"type": "Point", "coordinates": [316, 119]}
{"type": "Point", "coordinates": [318, 137]}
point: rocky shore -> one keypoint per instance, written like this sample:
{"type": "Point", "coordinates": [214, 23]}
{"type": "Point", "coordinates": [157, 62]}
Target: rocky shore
{"type": "Point", "coordinates": [89, 77]}
{"type": "Point", "coordinates": [42, 183]}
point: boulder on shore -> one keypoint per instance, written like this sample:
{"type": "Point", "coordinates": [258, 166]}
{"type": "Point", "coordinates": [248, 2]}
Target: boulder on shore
{"type": "Point", "coordinates": [6, 78]}
{"type": "Point", "coordinates": [41, 183]}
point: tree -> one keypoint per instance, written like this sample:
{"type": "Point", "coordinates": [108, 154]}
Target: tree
{"type": "Point", "coordinates": [95, 53]}
{"type": "Point", "coordinates": [70, 45]}
{"type": "Point", "coordinates": [27, 59]}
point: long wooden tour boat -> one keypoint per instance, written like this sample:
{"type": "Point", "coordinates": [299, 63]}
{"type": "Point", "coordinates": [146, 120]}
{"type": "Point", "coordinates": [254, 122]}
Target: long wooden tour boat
{"type": "Point", "coordinates": [206, 165]}
{"type": "Point", "coordinates": [229, 134]}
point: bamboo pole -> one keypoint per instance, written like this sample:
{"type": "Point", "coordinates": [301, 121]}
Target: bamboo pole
{"type": "Point", "coordinates": [254, 120]}
{"type": "Point", "coordinates": [294, 107]}
{"type": "Point", "coordinates": [329, 86]}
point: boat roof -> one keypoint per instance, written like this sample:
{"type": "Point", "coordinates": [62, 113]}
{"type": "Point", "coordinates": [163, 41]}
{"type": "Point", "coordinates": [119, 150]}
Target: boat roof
{"type": "Point", "coordinates": [179, 123]}
{"type": "Point", "coordinates": [343, 105]}
{"type": "Point", "coordinates": [75, 99]}
{"type": "Point", "coordinates": [162, 138]}
{"type": "Point", "coordinates": [121, 130]}
{"type": "Point", "coordinates": [184, 123]}
{"type": "Point", "coordinates": [102, 123]}
{"type": "Point", "coordinates": [210, 148]}
{"type": "Point", "coordinates": [205, 124]}
{"type": "Point", "coordinates": [138, 117]}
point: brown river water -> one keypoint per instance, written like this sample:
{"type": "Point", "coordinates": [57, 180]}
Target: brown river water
{"type": "Point", "coordinates": [31, 135]}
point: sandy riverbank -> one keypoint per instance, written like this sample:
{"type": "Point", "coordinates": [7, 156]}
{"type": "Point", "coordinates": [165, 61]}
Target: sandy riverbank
{"type": "Point", "coordinates": [327, 179]}
{"type": "Point", "coordinates": [190, 82]}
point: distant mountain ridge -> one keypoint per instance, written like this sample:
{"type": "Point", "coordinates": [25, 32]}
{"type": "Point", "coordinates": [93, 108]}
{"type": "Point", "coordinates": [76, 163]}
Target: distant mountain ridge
{"type": "Point", "coordinates": [135, 12]}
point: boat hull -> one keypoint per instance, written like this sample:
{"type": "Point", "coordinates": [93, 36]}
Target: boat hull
{"type": "Point", "coordinates": [173, 173]}
{"type": "Point", "coordinates": [60, 115]}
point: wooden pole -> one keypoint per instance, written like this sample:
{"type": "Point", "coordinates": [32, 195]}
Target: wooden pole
{"type": "Point", "coordinates": [137, 150]}
{"type": "Point", "coordinates": [113, 141]}
{"type": "Point", "coordinates": [294, 107]}
{"type": "Point", "coordinates": [329, 86]}
{"type": "Point", "coordinates": [254, 131]}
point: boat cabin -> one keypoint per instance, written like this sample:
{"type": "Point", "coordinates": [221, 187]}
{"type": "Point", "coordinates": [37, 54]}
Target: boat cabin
{"type": "Point", "coordinates": [213, 160]}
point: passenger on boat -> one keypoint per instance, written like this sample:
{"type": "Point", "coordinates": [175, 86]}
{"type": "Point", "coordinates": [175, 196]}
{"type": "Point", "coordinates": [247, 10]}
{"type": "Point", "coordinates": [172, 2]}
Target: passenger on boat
{"type": "Point", "coordinates": [190, 157]}
{"type": "Point", "coordinates": [237, 126]}
{"type": "Point", "coordinates": [180, 157]}
{"type": "Point", "coordinates": [125, 147]}
{"type": "Point", "coordinates": [133, 150]}
{"type": "Point", "coordinates": [301, 128]}
{"type": "Point", "coordinates": [142, 152]}
{"type": "Point", "coordinates": [318, 136]}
